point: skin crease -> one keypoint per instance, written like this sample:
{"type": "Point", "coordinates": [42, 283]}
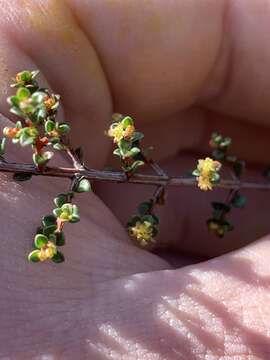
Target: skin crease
{"type": "Point", "coordinates": [110, 300]}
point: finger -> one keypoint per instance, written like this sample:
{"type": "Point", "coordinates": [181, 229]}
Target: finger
{"type": "Point", "coordinates": [154, 55]}
{"type": "Point", "coordinates": [191, 130]}
{"type": "Point", "coordinates": [239, 84]}
{"type": "Point", "coordinates": [161, 57]}
{"type": "Point", "coordinates": [179, 310]}
{"type": "Point", "coordinates": [49, 34]}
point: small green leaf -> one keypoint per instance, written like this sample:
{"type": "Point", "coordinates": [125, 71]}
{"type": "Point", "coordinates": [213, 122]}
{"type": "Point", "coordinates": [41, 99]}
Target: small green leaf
{"type": "Point", "coordinates": [231, 158]}
{"type": "Point", "coordinates": [136, 164]}
{"type": "Point", "coordinates": [239, 167]}
{"type": "Point", "coordinates": [215, 178]}
{"type": "Point", "coordinates": [61, 199]}
{"type": "Point", "coordinates": [68, 208]}
{"type": "Point", "coordinates": [48, 220]}
{"type": "Point", "coordinates": [83, 186]}
{"type": "Point", "coordinates": [116, 117]}
{"type": "Point", "coordinates": [25, 75]}
{"type": "Point", "coordinates": [23, 93]}
{"type": "Point", "coordinates": [17, 112]}
{"type": "Point", "coordinates": [127, 121]}
{"type": "Point", "coordinates": [40, 240]}
{"type": "Point", "coordinates": [196, 173]}
{"type": "Point", "coordinates": [34, 256]}
{"type": "Point", "coordinates": [55, 140]}
{"type": "Point", "coordinates": [117, 152]}
{"type": "Point", "coordinates": [2, 146]}
{"type": "Point", "coordinates": [225, 143]}
{"type": "Point", "coordinates": [38, 159]}
{"type": "Point", "coordinates": [60, 238]}
{"type": "Point", "coordinates": [41, 115]}
{"type": "Point", "coordinates": [124, 146]}
{"type": "Point", "coordinates": [49, 126]}
{"type": "Point", "coordinates": [59, 146]}
{"type": "Point", "coordinates": [42, 159]}
{"type": "Point", "coordinates": [25, 139]}
{"type": "Point", "coordinates": [239, 201]}
{"type": "Point", "coordinates": [48, 230]}
{"type": "Point", "coordinates": [39, 230]}
{"type": "Point", "coordinates": [22, 176]}
{"type": "Point", "coordinates": [13, 101]}
{"type": "Point", "coordinates": [64, 128]}
{"type": "Point", "coordinates": [227, 226]}
{"type": "Point", "coordinates": [134, 151]}
{"type": "Point", "coordinates": [156, 219]}
{"type": "Point", "coordinates": [133, 221]}
{"type": "Point", "coordinates": [58, 257]}
{"type": "Point", "coordinates": [75, 214]}
{"type": "Point", "coordinates": [47, 155]}
{"type": "Point", "coordinates": [137, 136]}
{"type": "Point", "coordinates": [52, 238]}
{"type": "Point", "coordinates": [75, 218]}
{"type": "Point", "coordinates": [149, 218]}
{"type": "Point", "coordinates": [219, 206]}
{"type": "Point", "coordinates": [34, 74]}
{"type": "Point", "coordinates": [154, 231]}
{"type": "Point", "coordinates": [57, 212]}
{"type": "Point", "coordinates": [218, 154]}
{"type": "Point", "coordinates": [38, 97]}
{"type": "Point", "coordinates": [144, 208]}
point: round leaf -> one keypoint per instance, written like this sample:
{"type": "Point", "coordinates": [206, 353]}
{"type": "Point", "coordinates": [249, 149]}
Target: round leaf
{"type": "Point", "coordinates": [144, 208]}
{"type": "Point", "coordinates": [48, 230]}
{"type": "Point", "coordinates": [127, 121]}
{"type": "Point", "coordinates": [34, 256]}
{"type": "Point", "coordinates": [64, 128]}
{"type": "Point", "coordinates": [23, 93]}
{"type": "Point", "coordinates": [60, 238]}
{"type": "Point", "coordinates": [60, 200]}
{"type": "Point", "coordinates": [83, 186]}
{"type": "Point", "coordinates": [48, 220]}
{"type": "Point", "coordinates": [58, 257]}
{"type": "Point", "coordinates": [2, 146]}
{"type": "Point", "coordinates": [239, 201]}
{"type": "Point", "coordinates": [49, 126]}
{"type": "Point", "coordinates": [40, 240]}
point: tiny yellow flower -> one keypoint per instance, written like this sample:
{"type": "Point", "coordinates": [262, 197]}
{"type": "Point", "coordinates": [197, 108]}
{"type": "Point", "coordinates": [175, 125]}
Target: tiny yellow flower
{"type": "Point", "coordinates": [47, 251]}
{"type": "Point", "coordinates": [119, 132]}
{"type": "Point", "coordinates": [207, 173]}
{"type": "Point", "coordinates": [49, 102]}
{"type": "Point", "coordinates": [142, 231]}
{"type": "Point", "coordinates": [216, 228]}
{"type": "Point", "coordinates": [10, 132]}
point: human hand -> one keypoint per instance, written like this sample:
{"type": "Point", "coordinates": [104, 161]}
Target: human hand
{"type": "Point", "coordinates": [194, 82]}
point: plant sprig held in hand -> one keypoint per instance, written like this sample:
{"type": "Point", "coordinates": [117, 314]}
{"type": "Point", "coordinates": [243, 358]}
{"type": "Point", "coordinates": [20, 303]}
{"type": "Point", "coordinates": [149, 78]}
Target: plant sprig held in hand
{"type": "Point", "coordinates": [38, 127]}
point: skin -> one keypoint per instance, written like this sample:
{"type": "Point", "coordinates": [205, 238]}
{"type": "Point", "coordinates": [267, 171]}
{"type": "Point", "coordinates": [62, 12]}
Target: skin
{"type": "Point", "coordinates": [189, 67]}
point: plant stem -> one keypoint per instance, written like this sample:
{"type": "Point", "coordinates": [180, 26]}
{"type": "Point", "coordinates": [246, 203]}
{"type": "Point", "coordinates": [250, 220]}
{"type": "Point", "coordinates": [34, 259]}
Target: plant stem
{"type": "Point", "coordinates": [120, 177]}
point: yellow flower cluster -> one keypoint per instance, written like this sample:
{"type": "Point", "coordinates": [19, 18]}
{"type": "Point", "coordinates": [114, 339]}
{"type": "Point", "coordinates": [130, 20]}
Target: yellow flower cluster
{"type": "Point", "coordinates": [47, 251]}
{"type": "Point", "coordinates": [142, 231]}
{"type": "Point", "coordinates": [119, 131]}
{"type": "Point", "coordinates": [216, 228]}
{"type": "Point", "coordinates": [207, 173]}
{"type": "Point", "coordinates": [10, 132]}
